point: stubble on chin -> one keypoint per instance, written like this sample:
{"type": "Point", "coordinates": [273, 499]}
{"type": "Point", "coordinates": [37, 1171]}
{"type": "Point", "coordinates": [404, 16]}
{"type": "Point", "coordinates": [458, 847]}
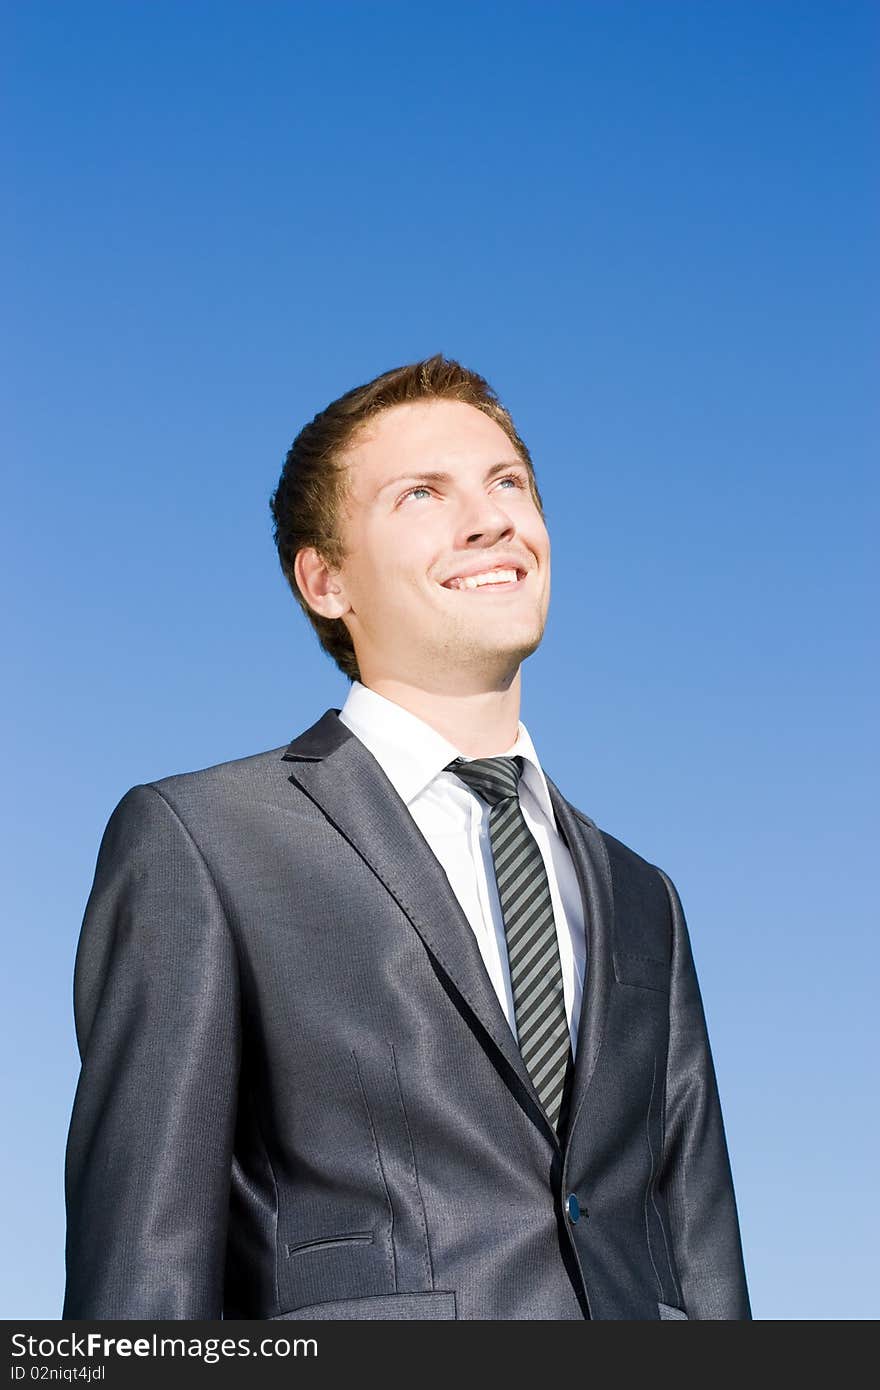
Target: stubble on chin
{"type": "Point", "coordinates": [460, 647]}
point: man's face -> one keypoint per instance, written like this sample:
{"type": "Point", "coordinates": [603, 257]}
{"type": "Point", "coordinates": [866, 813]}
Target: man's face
{"type": "Point", "coordinates": [415, 545]}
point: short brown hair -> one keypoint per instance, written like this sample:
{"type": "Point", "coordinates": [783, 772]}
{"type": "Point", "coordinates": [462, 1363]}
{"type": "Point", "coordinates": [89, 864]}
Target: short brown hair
{"type": "Point", "coordinates": [314, 480]}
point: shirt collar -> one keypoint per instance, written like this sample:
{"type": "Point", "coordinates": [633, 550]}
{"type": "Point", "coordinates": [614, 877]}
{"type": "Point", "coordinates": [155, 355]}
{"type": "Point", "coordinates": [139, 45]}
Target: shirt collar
{"type": "Point", "coordinates": [412, 753]}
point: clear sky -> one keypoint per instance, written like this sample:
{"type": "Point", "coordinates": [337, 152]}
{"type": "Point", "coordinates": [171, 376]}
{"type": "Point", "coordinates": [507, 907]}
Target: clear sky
{"type": "Point", "coordinates": [652, 224]}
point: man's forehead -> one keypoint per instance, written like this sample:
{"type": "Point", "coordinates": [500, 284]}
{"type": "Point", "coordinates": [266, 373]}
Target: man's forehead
{"type": "Point", "coordinates": [424, 434]}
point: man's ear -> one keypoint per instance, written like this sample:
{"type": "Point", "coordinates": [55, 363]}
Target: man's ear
{"type": "Point", "coordinates": [320, 586]}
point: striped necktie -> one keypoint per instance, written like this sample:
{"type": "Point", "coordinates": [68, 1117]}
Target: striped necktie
{"type": "Point", "coordinates": [530, 930]}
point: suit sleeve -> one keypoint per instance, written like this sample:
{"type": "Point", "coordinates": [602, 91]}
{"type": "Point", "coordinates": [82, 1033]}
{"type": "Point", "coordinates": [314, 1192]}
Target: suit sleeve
{"type": "Point", "coordinates": [156, 1004]}
{"type": "Point", "coordinates": [696, 1177]}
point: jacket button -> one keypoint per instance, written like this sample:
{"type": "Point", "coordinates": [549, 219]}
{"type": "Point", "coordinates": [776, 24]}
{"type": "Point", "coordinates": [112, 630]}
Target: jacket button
{"type": "Point", "coordinates": [573, 1208]}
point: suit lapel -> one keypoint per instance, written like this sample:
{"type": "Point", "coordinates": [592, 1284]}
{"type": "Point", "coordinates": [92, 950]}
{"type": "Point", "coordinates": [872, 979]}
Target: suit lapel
{"type": "Point", "coordinates": [339, 774]}
{"type": "Point", "coordinates": [590, 858]}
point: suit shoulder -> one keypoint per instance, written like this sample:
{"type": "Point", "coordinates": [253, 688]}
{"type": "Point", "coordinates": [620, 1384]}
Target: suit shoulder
{"type": "Point", "coordinates": [645, 880]}
{"type": "Point", "coordinates": [620, 854]}
{"type": "Point", "coordinates": [626, 854]}
{"type": "Point", "coordinates": [236, 778]}
{"type": "Point", "coordinates": [629, 869]}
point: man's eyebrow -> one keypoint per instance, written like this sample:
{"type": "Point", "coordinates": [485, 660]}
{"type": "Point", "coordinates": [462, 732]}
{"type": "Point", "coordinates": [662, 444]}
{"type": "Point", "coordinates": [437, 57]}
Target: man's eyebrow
{"type": "Point", "coordinates": [433, 475]}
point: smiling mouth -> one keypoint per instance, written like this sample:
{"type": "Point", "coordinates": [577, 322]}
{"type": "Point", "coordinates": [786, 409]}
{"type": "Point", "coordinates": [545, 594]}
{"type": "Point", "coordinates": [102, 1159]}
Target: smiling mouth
{"type": "Point", "coordinates": [504, 580]}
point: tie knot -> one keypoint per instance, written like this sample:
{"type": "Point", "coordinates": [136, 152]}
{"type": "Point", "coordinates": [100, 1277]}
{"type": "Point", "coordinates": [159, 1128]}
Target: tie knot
{"type": "Point", "coordinates": [495, 779]}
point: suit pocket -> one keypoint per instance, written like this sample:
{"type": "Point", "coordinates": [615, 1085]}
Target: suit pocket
{"type": "Point", "coordinates": [668, 1313]}
{"type": "Point", "coordinates": [401, 1307]}
{"type": "Point", "coordinates": [330, 1242]}
{"type": "Point", "coordinates": [641, 971]}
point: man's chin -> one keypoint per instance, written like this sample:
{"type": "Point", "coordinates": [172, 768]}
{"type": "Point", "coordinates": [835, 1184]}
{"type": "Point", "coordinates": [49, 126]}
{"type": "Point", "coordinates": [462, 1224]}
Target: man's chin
{"type": "Point", "coordinates": [483, 652]}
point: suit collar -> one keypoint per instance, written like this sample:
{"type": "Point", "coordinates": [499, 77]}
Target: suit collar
{"type": "Point", "coordinates": [340, 775]}
{"type": "Point", "coordinates": [320, 741]}
{"type": "Point", "coordinates": [412, 753]}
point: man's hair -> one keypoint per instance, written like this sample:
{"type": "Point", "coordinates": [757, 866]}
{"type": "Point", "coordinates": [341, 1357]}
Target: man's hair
{"type": "Point", "coordinates": [313, 487]}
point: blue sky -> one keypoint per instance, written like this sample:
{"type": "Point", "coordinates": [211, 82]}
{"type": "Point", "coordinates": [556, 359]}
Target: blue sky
{"type": "Point", "coordinates": [653, 227]}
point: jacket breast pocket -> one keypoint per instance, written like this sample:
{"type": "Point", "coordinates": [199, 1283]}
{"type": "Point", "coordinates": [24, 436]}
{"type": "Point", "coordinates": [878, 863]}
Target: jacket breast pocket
{"type": "Point", "coordinates": [399, 1307]}
{"type": "Point", "coordinates": [641, 971]}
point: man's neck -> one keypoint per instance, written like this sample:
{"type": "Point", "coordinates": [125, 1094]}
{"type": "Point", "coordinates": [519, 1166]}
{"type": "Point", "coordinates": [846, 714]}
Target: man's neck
{"type": "Point", "coordinates": [480, 723]}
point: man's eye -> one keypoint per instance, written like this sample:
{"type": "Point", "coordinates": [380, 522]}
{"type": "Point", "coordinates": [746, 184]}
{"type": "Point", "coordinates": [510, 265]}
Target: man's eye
{"type": "Point", "coordinates": [515, 478]}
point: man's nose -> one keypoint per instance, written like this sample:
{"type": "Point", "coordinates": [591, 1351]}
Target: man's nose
{"type": "Point", "coordinates": [483, 518]}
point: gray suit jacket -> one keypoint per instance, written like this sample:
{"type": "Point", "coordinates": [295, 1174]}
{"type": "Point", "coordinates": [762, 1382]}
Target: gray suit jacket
{"type": "Point", "coordinates": [299, 1096]}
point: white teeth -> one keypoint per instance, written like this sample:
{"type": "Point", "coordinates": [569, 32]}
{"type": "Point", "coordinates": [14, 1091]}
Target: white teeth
{"type": "Point", "coordinates": [476, 581]}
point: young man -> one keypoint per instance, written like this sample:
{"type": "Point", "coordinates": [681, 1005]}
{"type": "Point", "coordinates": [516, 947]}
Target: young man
{"type": "Point", "coordinates": [378, 1025]}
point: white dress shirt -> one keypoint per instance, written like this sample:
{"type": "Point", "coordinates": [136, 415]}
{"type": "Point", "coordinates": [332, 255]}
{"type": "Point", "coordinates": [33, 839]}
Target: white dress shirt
{"type": "Point", "coordinates": [455, 822]}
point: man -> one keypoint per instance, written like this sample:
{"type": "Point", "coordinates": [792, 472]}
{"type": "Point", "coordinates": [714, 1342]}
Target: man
{"type": "Point", "coordinates": [378, 1025]}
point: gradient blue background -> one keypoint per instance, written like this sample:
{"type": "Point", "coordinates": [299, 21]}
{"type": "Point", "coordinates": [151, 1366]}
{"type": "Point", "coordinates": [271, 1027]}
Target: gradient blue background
{"type": "Point", "coordinates": [651, 225]}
